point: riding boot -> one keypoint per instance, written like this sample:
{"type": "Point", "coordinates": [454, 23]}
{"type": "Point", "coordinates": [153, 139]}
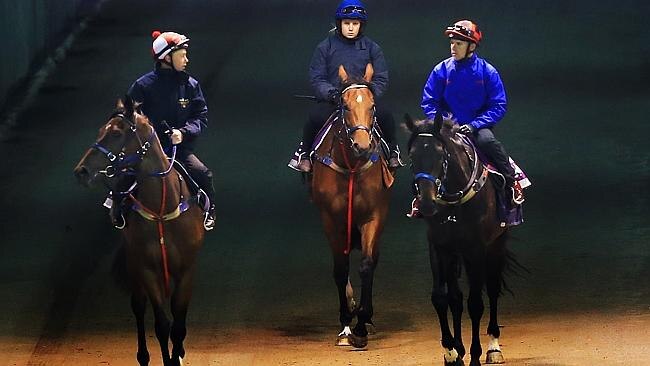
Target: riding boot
{"type": "Point", "coordinates": [115, 211]}
{"type": "Point", "coordinates": [300, 160]}
{"type": "Point", "coordinates": [394, 159]}
{"type": "Point", "coordinates": [210, 215]}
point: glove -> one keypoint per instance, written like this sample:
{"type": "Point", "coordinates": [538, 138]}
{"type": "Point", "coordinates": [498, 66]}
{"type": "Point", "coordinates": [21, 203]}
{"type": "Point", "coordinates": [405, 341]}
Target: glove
{"type": "Point", "coordinates": [466, 129]}
{"type": "Point", "coordinates": [176, 137]}
{"type": "Point", "coordinates": [334, 96]}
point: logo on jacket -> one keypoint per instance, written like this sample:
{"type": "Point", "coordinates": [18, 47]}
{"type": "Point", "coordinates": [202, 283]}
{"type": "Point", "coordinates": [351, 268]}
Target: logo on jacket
{"type": "Point", "coordinates": [184, 102]}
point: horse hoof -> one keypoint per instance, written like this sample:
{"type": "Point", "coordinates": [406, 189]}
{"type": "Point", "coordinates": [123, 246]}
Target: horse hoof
{"type": "Point", "coordinates": [458, 362]}
{"type": "Point", "coordinates": [343, 340]}
{"type": "Point", "coordinates": [494, 357]}
{"type": "Point", "coordinates": [358, 341]}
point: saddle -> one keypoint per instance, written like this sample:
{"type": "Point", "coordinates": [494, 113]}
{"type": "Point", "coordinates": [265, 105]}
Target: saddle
{"type": "Point", "coordinates": [509, 215]}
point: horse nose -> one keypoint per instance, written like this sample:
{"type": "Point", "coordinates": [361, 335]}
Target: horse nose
{"type": "Point", "coordinates": [82, 174]}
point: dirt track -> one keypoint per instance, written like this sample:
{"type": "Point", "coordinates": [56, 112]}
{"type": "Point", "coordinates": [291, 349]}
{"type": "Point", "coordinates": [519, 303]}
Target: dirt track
{"type": "Point", "coordinates": [263, 291]}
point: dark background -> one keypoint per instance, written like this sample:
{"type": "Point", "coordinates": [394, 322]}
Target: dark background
{"type": "Point", "coordinates": [577, 83]}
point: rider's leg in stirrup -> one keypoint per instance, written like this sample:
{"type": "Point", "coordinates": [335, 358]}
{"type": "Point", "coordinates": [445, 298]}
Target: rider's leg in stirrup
{"type": "Point", "coordinates": [387, 125]}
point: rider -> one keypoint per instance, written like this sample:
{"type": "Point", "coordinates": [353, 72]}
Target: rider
{"type": "Point", "coordinates": [172, 99]}
{"type": "Point", "coordinates": [470, 89]}
{"type": "Point", "coordinates": [347, 46]}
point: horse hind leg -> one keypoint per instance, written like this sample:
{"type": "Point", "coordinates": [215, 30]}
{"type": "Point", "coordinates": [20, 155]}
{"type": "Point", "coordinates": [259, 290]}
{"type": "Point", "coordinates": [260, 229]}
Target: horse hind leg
{"type": "Point", "coordinates": [138, 306]}
{"type": "Point", "coordinates": [496, 261]}
{"type": "Point", "coordinates": [475, 306]}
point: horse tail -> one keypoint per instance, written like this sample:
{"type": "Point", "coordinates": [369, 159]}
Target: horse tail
{"type": "Point", "coordinates": [503, 263]}
{"type": "Point", "coordinates": [119, 271]}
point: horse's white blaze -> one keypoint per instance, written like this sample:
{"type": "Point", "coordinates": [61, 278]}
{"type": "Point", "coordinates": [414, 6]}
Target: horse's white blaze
{"type": "Point", "coordinates": [494, 344]}
{"type": "Point", "coordinates": [451, 355]}
{"type": "Point", "coordinates": [359, 98]}
{"type": "Point", "coordinates": [345, 332]}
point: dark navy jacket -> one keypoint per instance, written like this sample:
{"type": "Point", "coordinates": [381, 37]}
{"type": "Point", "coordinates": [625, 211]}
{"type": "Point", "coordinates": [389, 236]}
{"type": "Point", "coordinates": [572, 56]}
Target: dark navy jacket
{"type": "Point", "coordinates": [471, 90]}
{"type": "Point", "coordinates": [354, 55]}
{"type": "Point", "coordinates": [175, 97]}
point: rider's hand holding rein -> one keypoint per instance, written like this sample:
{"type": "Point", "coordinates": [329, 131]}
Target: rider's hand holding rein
{"type": "Point", "coordinates": [176, 137]}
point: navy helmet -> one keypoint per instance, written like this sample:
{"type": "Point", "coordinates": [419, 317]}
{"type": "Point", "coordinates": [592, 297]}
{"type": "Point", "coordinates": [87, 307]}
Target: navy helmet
{"type": "Point", "coordinates": [351, 9]}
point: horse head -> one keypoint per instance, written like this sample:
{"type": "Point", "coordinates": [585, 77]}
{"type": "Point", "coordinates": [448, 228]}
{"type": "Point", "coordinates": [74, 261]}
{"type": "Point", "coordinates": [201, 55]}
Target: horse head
{"type": "Point", "coordinates": [430, 149]}
{"type": "Point", "coordinates": [358, 110]}
{"type": "Point", "coordinates": [121, 144]}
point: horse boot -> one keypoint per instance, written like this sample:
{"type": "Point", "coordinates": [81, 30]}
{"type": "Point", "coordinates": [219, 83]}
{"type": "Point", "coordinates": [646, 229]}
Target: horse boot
{"type": "Point", "coordinates": [394, 160]}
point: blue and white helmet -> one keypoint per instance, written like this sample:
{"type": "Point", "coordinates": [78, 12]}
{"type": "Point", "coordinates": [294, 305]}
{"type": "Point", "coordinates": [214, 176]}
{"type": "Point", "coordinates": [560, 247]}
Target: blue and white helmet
{"type": "Point", "coordinates": [351, 9]}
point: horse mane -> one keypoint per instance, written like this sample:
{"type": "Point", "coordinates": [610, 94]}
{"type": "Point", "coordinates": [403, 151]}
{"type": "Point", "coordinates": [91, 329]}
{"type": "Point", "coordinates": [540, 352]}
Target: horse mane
{"type": "Point", "coordinates": [445, 127]}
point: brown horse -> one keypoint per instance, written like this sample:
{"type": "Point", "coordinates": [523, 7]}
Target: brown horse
{"type": "Point", "coordinates": [161, 243]}
{"type": "Point", "coordinates": [459, 205]}
{"type": "Point", "coordinates": [351, 188]}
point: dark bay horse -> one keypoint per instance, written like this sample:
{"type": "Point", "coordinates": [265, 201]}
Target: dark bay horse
{"type": "Point", "coordinates": [458, 203]}
{"type": "Point", "coordinates": [351, 187]}
{"type": "Point", "coordinates": [161, 243]}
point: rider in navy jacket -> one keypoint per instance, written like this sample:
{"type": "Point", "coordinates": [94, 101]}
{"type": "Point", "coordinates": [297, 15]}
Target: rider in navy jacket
{"type": "Point", "coordinates": [174, 103]}
{"type": "Point", "coordinates": [190, 115]}
{"type": "Point", "coordinates": [347, 46]}
{"type": "Point", "coordinates": [470, 89]}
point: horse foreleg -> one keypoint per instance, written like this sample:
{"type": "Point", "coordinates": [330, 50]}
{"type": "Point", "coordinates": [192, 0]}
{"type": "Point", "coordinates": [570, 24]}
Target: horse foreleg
{"type": "Point", "coordinates": [179, 304]}
{"type": "Point", "coordinates": [455, 298]}
{"type": "Point", "coordinates": [138, 306]}
{"type": "Point", "coordinates": [440, 302]}
{"type": "Point", "coordinates": [155, 291]}
{"type": "Point", "coordinates": [475, 306]}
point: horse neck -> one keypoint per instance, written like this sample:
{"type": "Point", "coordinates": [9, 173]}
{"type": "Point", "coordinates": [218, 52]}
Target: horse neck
{"type": "Point", "coordinates": [151, 185]}
{"type": "Point", "coordinates": [459, 168]}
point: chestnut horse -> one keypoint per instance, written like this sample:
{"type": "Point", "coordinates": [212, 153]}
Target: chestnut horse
{"type": "Point", "coordinates": [161, 243]}
{"type": "Point", "coordinates": [458, 202]}
{"type": "Point", "coordinates": [351, 187]}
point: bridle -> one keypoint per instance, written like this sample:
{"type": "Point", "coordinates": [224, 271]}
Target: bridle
{"type": "Point", "coordinates": [349, 130]}
{"type": "Point", "coordinates": [475, 182]}
{"type": "Point", "coordinates": [123, 163]}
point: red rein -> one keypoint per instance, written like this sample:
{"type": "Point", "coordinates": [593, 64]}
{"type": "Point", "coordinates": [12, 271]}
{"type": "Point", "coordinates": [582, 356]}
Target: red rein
{"type": "Point", "coordinates": [352, 172]}
{"type": "Point", "coordinates": [161, 232]}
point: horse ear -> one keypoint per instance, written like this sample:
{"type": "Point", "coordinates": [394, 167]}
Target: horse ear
{"type": "Point", "coordinates": [408, 122]}
{"type": "Point", "coordinates": [369, 72]}
{"type": "Point", "coordinates": [342, 74]}
{"type": "Point", "coordinates": [119, 104]}
{"type": "Point", "coordinates": [128, 105]}
{"type": "Point", "coordinates": [437, 123]}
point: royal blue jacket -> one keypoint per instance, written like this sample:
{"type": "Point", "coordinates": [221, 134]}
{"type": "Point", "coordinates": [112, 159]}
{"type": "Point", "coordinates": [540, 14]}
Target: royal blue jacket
{"type": "Point", "coordinates": [354, 55]}
{"type": "Point", "coordinates": [174, 97]}
{"type": "Point", "coordinates": [471, 90]}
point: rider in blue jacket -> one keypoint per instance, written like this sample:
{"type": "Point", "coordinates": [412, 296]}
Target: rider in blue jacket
{"type": "Point", "coordinates": [347, 46]}
{"type": "Point", "coordinates": [173, 100]}
{"type": "Point", "coordinates": [470, 89]}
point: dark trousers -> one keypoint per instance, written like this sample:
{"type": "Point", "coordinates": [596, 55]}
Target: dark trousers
{"type": "Point", "coordinates": [490, 146]}
{"type": "Point", "coordinates": [322, 110]}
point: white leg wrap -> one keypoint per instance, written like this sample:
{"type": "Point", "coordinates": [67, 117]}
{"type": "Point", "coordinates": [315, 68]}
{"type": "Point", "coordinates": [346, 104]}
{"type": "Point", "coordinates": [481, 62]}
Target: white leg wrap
{"type": "Point", "coordinates": [494, 344]}
{"type": "Point", "coordinates": [451, 355]}
{"type": "Point", "coordinates": [345, 332]}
